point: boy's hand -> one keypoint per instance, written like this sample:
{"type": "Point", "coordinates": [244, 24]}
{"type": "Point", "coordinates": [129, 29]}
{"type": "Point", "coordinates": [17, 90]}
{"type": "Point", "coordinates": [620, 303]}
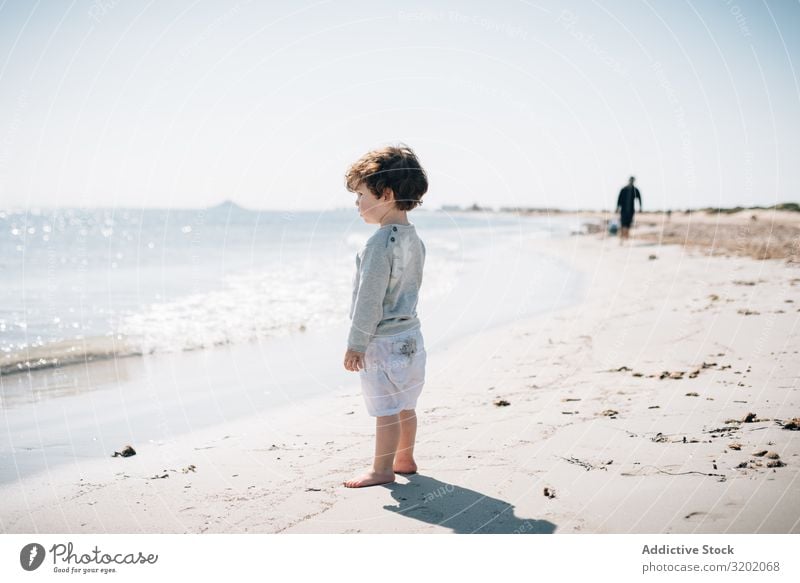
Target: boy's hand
{"type": "Point", "coordinates": [353, 361]}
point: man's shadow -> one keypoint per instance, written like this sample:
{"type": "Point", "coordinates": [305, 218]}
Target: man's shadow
{"type": "Point", "coordinates": [463, 510]}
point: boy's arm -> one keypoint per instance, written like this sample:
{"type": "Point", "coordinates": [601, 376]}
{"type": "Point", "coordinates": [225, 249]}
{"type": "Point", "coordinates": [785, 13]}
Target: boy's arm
{"type": "Point", "coordinates": [368, 307]}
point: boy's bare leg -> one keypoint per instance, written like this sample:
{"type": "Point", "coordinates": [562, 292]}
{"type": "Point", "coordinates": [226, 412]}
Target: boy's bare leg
{"type": "Point", "coordinates": [404, 458]}
{"type": "Point", "coordinates": [387, 435]}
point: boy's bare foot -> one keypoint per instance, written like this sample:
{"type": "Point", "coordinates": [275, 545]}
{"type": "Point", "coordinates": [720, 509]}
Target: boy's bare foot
{"type": "Point", "coordinates": [370, 479]}
{"type": "Point", "coordinates": [405, 466]}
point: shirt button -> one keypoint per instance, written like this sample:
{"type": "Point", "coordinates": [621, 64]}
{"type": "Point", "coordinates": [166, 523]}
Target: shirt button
{"type": "Point", "coordinates": [392, 238]}
{"type": "Point", "coordinates": [394, 228]}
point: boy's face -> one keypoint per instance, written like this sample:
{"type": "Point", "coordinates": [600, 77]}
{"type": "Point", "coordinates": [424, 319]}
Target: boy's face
{"type": "Point", "coordinates": [370, 208]}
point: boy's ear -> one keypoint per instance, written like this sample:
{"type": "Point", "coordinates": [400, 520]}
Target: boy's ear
{"type": "Point", "coordinates": [388, 193]}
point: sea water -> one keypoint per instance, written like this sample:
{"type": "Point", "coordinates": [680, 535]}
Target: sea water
{"type": "Point", "coordinates": [100, 307]}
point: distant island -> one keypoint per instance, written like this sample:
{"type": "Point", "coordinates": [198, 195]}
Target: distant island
{"type": "Point", "coordinates": [230, 206]}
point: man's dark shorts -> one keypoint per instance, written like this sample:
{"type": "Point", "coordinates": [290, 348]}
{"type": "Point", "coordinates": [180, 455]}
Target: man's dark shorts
{"type": "Point", "coordinates": [626, 220]}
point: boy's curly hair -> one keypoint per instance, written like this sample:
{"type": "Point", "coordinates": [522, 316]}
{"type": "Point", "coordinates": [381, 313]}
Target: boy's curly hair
{"type": "Point", "coordinates": [394, 167]}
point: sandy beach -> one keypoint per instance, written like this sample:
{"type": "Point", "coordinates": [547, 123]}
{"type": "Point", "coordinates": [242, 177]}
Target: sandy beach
{"type": "Point", "coordinates": [660, 403]}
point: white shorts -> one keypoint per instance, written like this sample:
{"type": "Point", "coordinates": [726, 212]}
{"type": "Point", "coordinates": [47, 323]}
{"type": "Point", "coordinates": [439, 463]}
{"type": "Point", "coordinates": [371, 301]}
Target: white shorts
{"type": "Point", "coordinates": [394, 372]}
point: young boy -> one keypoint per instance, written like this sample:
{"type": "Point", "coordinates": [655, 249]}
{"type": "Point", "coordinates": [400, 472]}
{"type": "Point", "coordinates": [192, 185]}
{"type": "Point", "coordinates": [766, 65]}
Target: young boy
{"type": "Point", "coordinates": [385, 345]}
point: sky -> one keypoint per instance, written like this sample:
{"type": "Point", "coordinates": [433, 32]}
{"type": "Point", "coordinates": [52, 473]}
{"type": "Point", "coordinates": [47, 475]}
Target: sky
{"type": "Point", "coordinates": [186, 104]}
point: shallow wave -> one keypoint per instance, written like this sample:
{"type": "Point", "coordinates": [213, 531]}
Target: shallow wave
{"type": "Point", "coordinates": [74, 351]}
{"type": "Point", "coordinates": [306, 291]}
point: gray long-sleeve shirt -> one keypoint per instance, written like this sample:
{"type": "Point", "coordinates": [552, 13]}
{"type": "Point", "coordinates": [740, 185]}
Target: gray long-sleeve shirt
{"type": "Point", "coordinates": [386, 285]}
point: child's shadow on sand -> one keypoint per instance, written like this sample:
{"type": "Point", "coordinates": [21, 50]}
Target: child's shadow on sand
{"type": "Point", "coordinates": [463, 510]}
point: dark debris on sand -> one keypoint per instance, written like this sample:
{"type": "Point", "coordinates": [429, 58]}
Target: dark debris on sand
{"type": "Point", "coordinates": [749, 418]}
{"type": "Point", "coordinates": [791, 425]}
{"type": "Point", "coordinates": [127, 451]}
{"type": "Point", "coordinates": [585, 464]}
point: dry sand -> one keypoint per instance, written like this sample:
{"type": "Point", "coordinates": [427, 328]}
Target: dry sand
{"type": "Point", "coordinates": [756, 233]}
{"type": "Point", "coordinates": [626, 414]}
{"type": "Point", "coordinates": [759, 234]}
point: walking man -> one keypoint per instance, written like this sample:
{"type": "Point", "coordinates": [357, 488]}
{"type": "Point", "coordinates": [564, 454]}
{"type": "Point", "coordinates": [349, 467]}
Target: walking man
{"type": "Point", "coordinates": [625, 202]}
